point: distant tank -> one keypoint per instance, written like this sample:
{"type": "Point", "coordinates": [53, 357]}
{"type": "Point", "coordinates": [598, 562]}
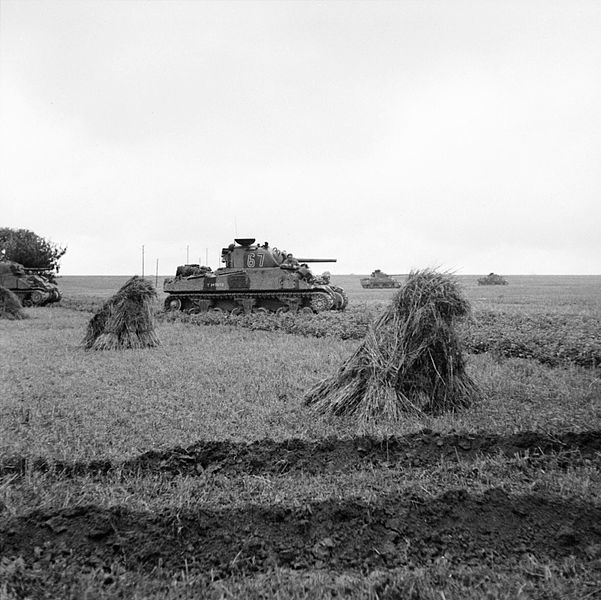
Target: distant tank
{"type": "Point", "coordinates": [492, 279]}
{"type": "Point", "coordinates": [31, 289]}
{"type": "Point", "coordinates": [379, 279]}
{"type": "Point", "coordinates": [255, 278]}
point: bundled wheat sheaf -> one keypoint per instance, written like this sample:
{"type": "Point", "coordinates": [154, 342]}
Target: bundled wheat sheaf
{"type": "Point", "coordinates": [410, 359]}
{"type": "Point", "coordinates": [125, 320]}
{"type": "Point", "coordinates": [10, 306]}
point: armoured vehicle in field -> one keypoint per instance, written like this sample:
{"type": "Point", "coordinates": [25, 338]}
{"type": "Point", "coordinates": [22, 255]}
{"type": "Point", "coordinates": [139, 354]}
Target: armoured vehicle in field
{"type": "Point", "coordinates": [379, 279]}
{"type": "Point", "coordinates": [255, 278]}
{"type": "Point", "coordinates": [31, 288]}
{"type": "Point", "coordinates": [492, 279]}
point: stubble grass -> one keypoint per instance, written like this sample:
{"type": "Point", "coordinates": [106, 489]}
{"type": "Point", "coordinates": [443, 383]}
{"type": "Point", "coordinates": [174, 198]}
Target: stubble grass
{"type": "Point", "coordinates": [225, 383]}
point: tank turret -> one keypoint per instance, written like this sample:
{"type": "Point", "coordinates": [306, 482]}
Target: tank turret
{"type": "Point", "coordinates": [31, 288]}
{"type": "Point", "coordinates": [255, 278]}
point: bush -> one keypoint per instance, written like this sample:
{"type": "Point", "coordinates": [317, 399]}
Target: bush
{"type": "Point", "coordinates": [351, 325]}
{"type": "Point", "coordinates": [548, 338]}
{"type": "Point", "coordinates": [31, 250]}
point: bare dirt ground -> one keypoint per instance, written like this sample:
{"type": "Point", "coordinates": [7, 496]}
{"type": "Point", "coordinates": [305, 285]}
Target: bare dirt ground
{"type": "Point", "coordinates": [271, 457]}
{"type": "Point", "coordinates": [493, 528]}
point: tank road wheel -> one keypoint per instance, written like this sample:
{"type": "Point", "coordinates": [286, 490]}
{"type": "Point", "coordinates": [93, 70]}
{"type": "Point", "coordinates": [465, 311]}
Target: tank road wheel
{"type": "Point", "coordinates": [342, 299]}
{"type": "Point", "coordinates": [282, 310]}
{"type": "Point", "coordinates": [238, 311]}
{"type": "Point", "coordinates": [173, 303]}
{"type": "Point", "coordinates": [261, 310]}
{"type": "Point", "coordinates": [338, 300]}
{"type": "Point", "coordinates": [227, 306]}
{"type": "Point", "coordinates": [345, 297]}
{"type": "Point", "coordinates": [217, 309]}
{"type": "Point", "coordinates": [37, 297]}
{"type": "Point", "coordinates": [306, 310]}
{"type": "Point", "coordinates": [321, 301]}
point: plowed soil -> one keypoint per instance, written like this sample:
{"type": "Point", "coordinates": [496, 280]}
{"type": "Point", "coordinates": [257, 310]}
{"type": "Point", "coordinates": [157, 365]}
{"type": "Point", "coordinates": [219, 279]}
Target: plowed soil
{"type": "Point", "coordinates": [270, 457]}
{"type": "Point", "coordinates": [493, 528]}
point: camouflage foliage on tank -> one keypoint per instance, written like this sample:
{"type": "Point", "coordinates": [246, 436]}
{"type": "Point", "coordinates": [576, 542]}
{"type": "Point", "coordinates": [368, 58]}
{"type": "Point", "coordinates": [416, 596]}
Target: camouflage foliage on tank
{"type": "Point", "coordinates": [31, 288]}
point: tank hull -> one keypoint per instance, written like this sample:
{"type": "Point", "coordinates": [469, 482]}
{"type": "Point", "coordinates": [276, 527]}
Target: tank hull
{"type": "Point", "coordinates": [492, 279]}
{"type": "Point", "coordinates": [370, 284]}
{"type": "Point", "coordinates": [270, 289]}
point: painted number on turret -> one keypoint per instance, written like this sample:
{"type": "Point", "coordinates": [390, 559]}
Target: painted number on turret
{"type": "Point", "coordinates": [252, 258]}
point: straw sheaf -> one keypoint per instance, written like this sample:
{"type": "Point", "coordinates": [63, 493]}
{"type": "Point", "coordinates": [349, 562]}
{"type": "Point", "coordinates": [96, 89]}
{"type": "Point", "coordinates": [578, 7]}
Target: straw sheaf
{"type": "Point", "coordinates": [125, 320]}
{"type": "Point", "coordinates": [10, 305]}
{"type": "Point", "coordinates": [410, 359]}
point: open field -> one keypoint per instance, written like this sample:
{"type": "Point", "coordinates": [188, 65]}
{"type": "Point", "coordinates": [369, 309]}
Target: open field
{"type": "Point", "coordinates": [574, 294]}
{"type": "Point", "coordinates": [194, 470]}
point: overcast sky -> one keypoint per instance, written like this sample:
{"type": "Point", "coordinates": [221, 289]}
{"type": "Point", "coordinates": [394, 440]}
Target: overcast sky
{"type": "Point", "coordinates": [392, 135]}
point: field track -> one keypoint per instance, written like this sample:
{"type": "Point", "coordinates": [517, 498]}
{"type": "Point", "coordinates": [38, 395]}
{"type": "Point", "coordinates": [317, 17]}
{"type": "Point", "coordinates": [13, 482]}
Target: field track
{"type": "Point", "coordinates": [493, 528]}
{"type": "Point", "coordinates": [296, 455]}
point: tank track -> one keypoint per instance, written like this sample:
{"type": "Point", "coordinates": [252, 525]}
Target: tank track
{"type": "Point", "coordinates": [34, 297]}
{"type": "Point", "coordinates": [236, 302]}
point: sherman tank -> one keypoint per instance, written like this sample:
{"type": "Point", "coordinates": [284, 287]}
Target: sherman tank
{"type": "Point", "coordinates": [31, 288]}
{"type": "Point", "coordinates": [255, 278]}
{"type": "Point", "coordinates": [379, 279]}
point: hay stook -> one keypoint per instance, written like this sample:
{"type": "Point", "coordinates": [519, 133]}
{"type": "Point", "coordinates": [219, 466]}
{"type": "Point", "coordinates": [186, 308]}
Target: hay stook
{"type": "Point", "coordinates": [125, 320]}
{"type": "Point", "coordinates": [10, 305]}
{"type": "Point", "coordinates": [410, 361]}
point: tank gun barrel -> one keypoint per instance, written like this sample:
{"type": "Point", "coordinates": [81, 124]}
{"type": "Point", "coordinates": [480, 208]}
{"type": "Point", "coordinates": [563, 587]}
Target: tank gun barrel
{"type": "Point", "coordinates": [315, 260]}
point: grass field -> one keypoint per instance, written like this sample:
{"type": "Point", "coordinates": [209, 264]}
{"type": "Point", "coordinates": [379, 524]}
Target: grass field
{"type": "Point", "coordinates": [194, 469]}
